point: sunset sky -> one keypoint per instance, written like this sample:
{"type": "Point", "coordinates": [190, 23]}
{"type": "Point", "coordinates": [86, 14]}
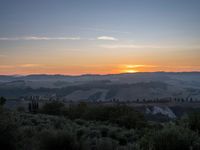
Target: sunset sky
{"type": "Point", "coordinates": [99, 36]}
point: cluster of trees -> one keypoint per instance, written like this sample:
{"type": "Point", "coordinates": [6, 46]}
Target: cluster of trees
{"type": "Point", "coordinates": [95, 127]}
{"type": "Point", "coordinates": [33, 106]}
{"type": "Point", "coordinates": [122, 115]}
{"type": "Point", "coordinates": [2, 101]}
{"type": "Point", "coordinates": [154, 100]}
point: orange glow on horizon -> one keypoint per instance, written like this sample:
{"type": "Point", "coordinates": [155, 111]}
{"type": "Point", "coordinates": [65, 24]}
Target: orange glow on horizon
{"type": "Point", "coordinates": [129, 71]}
{"type": "Point", "coordinates": [132, 71]}
{"type": "Point", "coordinates": [130, 68]}
{"type": "Point", "coordinates": [25, 69]}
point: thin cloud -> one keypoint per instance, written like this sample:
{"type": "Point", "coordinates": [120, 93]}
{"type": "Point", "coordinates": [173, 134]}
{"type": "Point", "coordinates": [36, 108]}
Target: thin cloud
{"type": "Point", "coordinates": [128, 46]}
{"type": "Point", "coordinates": [109, 38]}
{"type": "Point", "coordinates": [27, 38]}
{"type": "Point", "coordinates": [182, 67]}
{"type": "Point", "coordinates": [140, 66]}
{"type": "Point", "coordinates": [21, 66]}
{"type": "Point", "coordinates": [6, 66]}
{"type": "Point", "coordinates": [30, 65]}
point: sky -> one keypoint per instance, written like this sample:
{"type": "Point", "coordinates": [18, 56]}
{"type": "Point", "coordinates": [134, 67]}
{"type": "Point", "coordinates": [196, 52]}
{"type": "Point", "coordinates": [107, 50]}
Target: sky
{"type": "Point", "coordinates": [99, 36]}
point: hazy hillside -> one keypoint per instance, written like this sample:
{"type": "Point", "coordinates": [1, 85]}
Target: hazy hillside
{"type": "Point", "coordinates": [104, 87]}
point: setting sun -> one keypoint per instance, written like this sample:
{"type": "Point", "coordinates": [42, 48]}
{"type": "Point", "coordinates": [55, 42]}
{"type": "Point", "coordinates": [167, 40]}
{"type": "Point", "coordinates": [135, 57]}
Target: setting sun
{"type": "Point", "coordinates": [130, 71]}
{"type": "Point", "coordinates": [130, 68]}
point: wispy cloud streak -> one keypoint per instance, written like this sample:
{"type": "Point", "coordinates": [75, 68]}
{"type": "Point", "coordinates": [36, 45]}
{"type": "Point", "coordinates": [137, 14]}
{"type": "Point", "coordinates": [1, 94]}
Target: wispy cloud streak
{"type": "Point", "coordinates": [138, 66]}
{"type": "Point", "coordinates": [21, 66]}
{"type": "Point", "coordinates": [34, 38]}
{"type": "Point", "coordinates": [30, 65]}
{"type": "Point", "coordinates": [6, 66]}
{"type": "Point", "coordinates": [109, 38]}
{"type": "Point", "coordinates": [128, 46]}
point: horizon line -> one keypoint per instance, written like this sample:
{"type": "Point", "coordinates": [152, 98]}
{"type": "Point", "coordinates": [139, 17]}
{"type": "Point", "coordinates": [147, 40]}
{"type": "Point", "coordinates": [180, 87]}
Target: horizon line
{"type": "Point", "coordinates": [93, 74]}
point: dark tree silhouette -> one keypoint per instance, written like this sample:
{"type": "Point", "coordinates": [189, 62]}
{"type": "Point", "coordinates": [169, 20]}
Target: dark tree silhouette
{"type": "Point", "coordinates": [2, 101]}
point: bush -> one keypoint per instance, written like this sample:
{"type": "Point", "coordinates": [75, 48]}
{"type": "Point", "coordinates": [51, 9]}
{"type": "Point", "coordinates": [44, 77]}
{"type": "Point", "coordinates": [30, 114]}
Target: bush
{"type": "Point", "coordinates": [21, 109]}
{"type": "Point", "coordinates": [171, 138]}
{"type": "Point", "coordinates": [2, 101]}
{"type": "Point", "coordinates": [106, 144]}
{"type": "Point", "coordinates": [26, 138]}
{"type": "Point", "coordinates": [60, 139]}
{"type": "Point", "coordinates": [53, 108]}
{"type": "Point", "coordinates": [123, 116]}
{"type": "Point", "coordinates": [192, 121]}
{"type": "Point", "coordinates": [8, 131]}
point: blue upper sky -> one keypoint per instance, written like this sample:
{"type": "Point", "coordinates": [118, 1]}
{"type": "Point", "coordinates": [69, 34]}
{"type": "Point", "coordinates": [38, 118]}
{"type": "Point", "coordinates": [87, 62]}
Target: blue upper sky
{"type": "Point", "coordinates": [27, 26]}
{"type": "Point", "coordinates": [143, 18]}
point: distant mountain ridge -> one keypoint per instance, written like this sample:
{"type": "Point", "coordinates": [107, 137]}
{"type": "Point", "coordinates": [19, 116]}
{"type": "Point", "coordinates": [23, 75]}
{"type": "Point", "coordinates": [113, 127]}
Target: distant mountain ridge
{"type": "Point", "coordinates": [62, 77]}
{"type": "Point", "coordinates": [128, 86]}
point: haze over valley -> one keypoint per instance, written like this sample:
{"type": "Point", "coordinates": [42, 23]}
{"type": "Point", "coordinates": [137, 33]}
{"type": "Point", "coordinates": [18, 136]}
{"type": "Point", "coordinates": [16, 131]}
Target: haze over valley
{"type": "Point", "coordinates": [125, 87]}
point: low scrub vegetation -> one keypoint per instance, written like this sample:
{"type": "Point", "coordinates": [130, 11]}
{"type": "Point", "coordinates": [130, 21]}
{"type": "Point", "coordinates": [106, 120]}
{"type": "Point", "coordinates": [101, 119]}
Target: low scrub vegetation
{"type": "Point", "coordinates": [82, 127]}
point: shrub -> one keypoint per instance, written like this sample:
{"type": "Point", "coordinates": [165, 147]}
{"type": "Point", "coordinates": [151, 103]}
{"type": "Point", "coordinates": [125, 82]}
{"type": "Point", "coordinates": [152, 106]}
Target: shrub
{"type": "Point", "coordinates": [8, 131]}
{"type": "Point", "coordinates": [60, 139]}
{"type": "Point", "coordinates": [170, 138]}
{"type": "Point", "coordinates": [2, 101]}
{"type": "Point", "coordinates": [26, 138]}
{"type": "Point", "coordinates": [21, 109]}
{"type": "Point", "coordinates": [106, 144]}
{"type": "Point", "coordinates": [192, 121]}
{"type": "Point", "coordinates": [53, 108]}
{"type": "Point", "coordinates": [122, 115]}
